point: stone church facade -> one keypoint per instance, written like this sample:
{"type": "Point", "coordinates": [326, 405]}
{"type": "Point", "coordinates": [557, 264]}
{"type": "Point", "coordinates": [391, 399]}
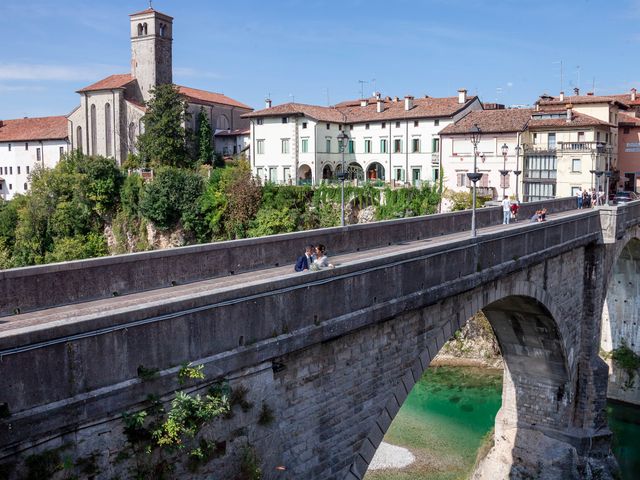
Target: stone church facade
{"type": "Point", "coordinates": [109, 118]}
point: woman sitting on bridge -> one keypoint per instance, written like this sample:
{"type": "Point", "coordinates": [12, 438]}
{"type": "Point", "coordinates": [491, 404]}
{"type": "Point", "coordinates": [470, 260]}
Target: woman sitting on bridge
{"type": "Point", "coordinates": [321, 260]}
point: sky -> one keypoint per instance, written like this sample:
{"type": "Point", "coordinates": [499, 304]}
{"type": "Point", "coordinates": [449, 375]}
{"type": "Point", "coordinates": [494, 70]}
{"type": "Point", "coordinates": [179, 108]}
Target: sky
{"type": "Point", "coordinates": [324, 52]}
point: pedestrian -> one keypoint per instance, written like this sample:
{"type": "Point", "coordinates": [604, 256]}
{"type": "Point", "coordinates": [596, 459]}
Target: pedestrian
{"type": "Point", "coordinates": [586, 199]}
{"type": "Point", "coordinates": [579, 196]}
{"type": "Point", "coordinates": [506, 210]}
{"type": "Point", "coordinates": [514, 210]}
{"type": "Point", "coordinates": [304, 261]}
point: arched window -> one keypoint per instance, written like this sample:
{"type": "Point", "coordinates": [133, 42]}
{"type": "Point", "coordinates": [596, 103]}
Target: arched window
{"type": "Point", "coordinates": [222, 123]}
{"type": "Point", "coordinates": [79, 139]}
{"type": "Point", "coordinates": [108, 137]}
{"type": "Point", "coordinates": [140, 29]}
{"type": "Point", "coordinates": [132, 137]}
{"type": "Point", "coordinates": [144, 28]}
{"type": "Point", "coordinates": [162, 29]}
{"type": "Point", "coordinates": [94, 133]}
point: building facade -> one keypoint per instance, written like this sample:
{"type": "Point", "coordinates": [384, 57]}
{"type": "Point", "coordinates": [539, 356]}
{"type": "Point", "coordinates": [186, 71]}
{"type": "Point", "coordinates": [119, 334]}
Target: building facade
{"type": "Point", "coordinates": [26, 144]}
{"type": "Point", "coordinates": [388, 139]}
{"type": "Point", "coordinates": [109, 118]}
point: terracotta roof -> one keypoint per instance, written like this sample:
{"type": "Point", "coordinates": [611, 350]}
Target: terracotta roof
{"type": "Point", "coordinates": [327, 114]}
{"type": "Point", "coordinates": [202, 96]}
{"type": "Point", "coordinates": [580, 99]}
{"type": "Point", "coordinates": [150, 10]}
{"type": "Point", "coordinates": [112, 81]}
{"type": "Point", "coordinates": [628, 120]}
{"type": "Point", "coordinates": [136, 104]}
{"type": "Point", "coordinates": [491, 121]}
{"type": "Point", "coordinates": [348, 112]}
{"type": "Point", "coordinates": [27, 129]}
{"type": "Point", "coordinates": [577, 120]}
{"type": "Point", "coordinates": [626, 98]}
{"type": "Point", "coordinates": [233, 133]}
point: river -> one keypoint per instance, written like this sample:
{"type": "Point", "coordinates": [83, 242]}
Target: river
{"type": "Point", "coordinates": [450, 411]}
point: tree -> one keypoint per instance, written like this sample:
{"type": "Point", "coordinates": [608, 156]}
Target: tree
{"type": "Point", "coordinates": [205, 140]}
{"type": "Point", "coordinates": [164, 141]}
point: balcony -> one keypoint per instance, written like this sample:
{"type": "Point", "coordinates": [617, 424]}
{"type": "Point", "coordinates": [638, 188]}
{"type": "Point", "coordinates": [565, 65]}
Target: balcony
{"type": "Point", "coordinates": [561, 147]}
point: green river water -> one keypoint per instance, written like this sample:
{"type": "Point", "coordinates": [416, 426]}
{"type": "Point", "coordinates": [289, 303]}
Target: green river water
{"type": "Point", "coordinates": [450, 411]}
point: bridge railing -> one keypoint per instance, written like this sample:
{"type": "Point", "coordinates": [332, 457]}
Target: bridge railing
{"type": "Point", "coordinates": [33, 288]}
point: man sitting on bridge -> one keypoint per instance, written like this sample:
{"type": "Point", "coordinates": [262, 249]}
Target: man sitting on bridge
{"type": "Point", "coordinates": [304, 261]}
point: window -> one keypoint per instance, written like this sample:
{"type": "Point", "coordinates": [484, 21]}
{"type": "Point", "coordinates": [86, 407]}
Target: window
{"type": "Point", "coordinates": [576, 165]}
{"type": "Point", "coordinates": [625, 130]}
{"type": "Point", "coordinates": [18, 170]}
{"type": "Point", "coordinates": [436, 122]}
{"type": "Point", "coordinates": [260, 121]}
{"type": "Point", "coordinates": [597, 136]}
{"type": "Point", "coordinates": [580, 136]}
{"type": "Point", "coordinates": [285, 119]}
{"type": "Point", "coordinates": [367, 146]}
{"type": "Point", "coordinates": [260, 147]}
{"type": "Point", "coordinates": [415, 176]}
{"type": "Point", "coordinates": [327, 145]}
{"type": "Point", "coordinates": [10, 146]}
{"type": "Point", "coordinates": [539, 191]}
{"type": "Point", "coordinates": [435, 144]}
{"type": "Point", "coordinates": [107, 128]}
{"type": "Point", "coordinates": [415, 145]}
{"type": "Point", "coordinates": [551, 141]}
{"type": "Point", "coordinates": [350, 127]}
{"type": "Point", "coordinates": [328, 126]}
{"type": "Point", "coordinates": [10, 186]}
{"type": "Point", "coordinates": [10, 170]}
{"type": "Point", "coordinates": [461, 179]}
{"type": "Point", "coordinates": [94, 133]}
{"type": "Point", "coordinates": [273, 174]}
{"type": "Point", "coordinates": [397, 124]}
{"type": "Point", "coordinates": [161, 30]}
{"type": "Point", "coordinates": [535, 138]}
{"type": "Point", "coordinates": [384, 124]}
{"type": "Point", "coordinates": [38, 154]}
{"type": "Point", "coordinates": [606, 137]}
{"type": "Point", "coordinates": [416, 123]}
{"type": "Point", "coordinates": [27, 169]}
{"type": "Point", "coordinates": [26, 146]}
{"type": "Point", "coordinates": [259, 172]}
{"type": "Point", "coordinates": [397, 145]}
{"type": "Point", "coordinates": [366, 126]}
{"type": "Point", "coordinates": [284, 145]}
{"type": "Point", "coordinates": [305, 145]}
{"type": "Point", "coordinates": [286, 174]}
{"type": "Point", "coordinates": [25, 187]}
{"type": "Point", "coordinates": [505, 180]}
{"type": "Point", "coordinates": [541, 166]}
{"type": "Point", "coordinates": [304, 124]}
{"type": "Point", "coordinates": [398, 174]}
{"type": "Point", "coordinates": [435, 174]}
{"type": "Point", "coordinates": [61, 151]}
{"type": "Point", "coordinates": [352, 146]}
{"type": "Point", "coordinates": [383, 145]}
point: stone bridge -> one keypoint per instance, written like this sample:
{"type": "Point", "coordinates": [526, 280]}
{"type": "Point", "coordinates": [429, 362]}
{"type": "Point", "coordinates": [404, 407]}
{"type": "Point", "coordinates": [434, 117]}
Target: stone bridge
{"type": "Point", "coordinates": [320, 362]}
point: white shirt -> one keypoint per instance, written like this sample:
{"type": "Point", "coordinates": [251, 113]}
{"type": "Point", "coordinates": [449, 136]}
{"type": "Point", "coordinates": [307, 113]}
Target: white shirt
{"type": "Point", "coordinates": [506, 205]}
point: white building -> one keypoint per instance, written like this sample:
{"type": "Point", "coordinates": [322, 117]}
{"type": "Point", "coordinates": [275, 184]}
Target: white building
{"type": "Point", "coordinates": [26, 143]}
{"type": "Point", "coordinates": [391, 140]}
{"type": "Point", "coordinates": [108, 120]}
{"type": "Point", "coordinates": [497, 128]}
{"type": "Point", "coordinates": [232, 142]}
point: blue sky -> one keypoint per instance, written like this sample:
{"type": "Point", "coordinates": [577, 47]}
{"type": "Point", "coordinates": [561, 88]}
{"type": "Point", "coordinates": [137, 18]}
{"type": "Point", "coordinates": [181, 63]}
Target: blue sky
{"type": "Point", "coordinates": [316, 51]}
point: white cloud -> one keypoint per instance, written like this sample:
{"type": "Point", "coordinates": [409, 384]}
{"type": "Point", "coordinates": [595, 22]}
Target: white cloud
{"type": "Point", "coordinates": [33, 71]}
{"type": "Point", "coordinates": [4, 88]}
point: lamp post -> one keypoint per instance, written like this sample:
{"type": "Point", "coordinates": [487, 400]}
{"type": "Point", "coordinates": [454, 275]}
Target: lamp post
{"type": "Point", "coordinates": [593, 166]}
{"type": "Point", "coordinates": [474, 176]}
{"type": "Point", "coordinates": [598, 175]}
{"type": "Point", "coordinates": [517, 171]}
{"type": "Point", "coordinates": [504, 172]}
{"type": "Point", "coordinates": [608, 173]}
{"type": "Point", "coordinates": [342, 139]}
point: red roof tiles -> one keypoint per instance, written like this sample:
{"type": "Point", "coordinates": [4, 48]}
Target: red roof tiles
{"type": "Point", "coordinates": [577, 120]}
{"type": "Point", "coordinates": [111, 82]}
{"type": "Point", "coordinates": [579, 99]}
{"type": "Point", "coordinates": [233, 133]}
{"type": "Point", "coordinates": [29, 129]}
{"type": "Point", "coordinates": [628, 120]}
{"type": "Point", "coordinates": [492, 121]}
{"type": "Point", "coordinates": [202, 96]}
{"type": "Point", "coordinates": [347, 112]}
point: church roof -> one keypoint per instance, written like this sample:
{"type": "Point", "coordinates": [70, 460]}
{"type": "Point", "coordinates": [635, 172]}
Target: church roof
{"type": "Point", "coordinates": [28, 129]}
{"type": "Point", "coordinates": [233, 133]}
{"type": "Point", "coordinates": [148, 11]}
{"type": "Point", "coordinates": [202, 96]}
{"type": "Point", "coordinates": [112, 81]}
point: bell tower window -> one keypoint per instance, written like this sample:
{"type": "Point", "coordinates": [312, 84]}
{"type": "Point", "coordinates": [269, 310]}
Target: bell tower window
{"type": "Point", "coordinates": [161, 30]}
{"type": "Point", "coordinates": [140, 29]}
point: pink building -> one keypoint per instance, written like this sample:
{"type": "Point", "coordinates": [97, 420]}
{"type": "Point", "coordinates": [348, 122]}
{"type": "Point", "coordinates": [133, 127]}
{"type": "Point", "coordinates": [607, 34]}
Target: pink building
{"type": "Point", "coordinates": [629, 143]}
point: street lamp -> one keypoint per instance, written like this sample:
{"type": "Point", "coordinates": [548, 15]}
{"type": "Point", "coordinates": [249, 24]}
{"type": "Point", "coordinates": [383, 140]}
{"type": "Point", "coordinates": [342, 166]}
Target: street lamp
{"type": "Point", "coordinates": [474, 176]}
{"type": "Point", "coordinates": [342, 140]}
{"type": "Point", "coordinates": [608, 172]}
{"type": "Point", "coordinates": [517, 172]}
{"type": "Point", "coordinates": [594, 155]}
{"type": "Point", "coordinates": [504, 172]}
{"type": "Point", "coordinates": [598, 175]}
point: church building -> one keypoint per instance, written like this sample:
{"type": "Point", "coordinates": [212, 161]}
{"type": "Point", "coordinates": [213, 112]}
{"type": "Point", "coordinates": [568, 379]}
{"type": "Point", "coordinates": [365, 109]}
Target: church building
{"type": "Point", "coordinates": [109, 118]}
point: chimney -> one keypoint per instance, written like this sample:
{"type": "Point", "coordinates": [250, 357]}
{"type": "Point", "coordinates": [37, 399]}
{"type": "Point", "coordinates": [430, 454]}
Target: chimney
{"type": "Point", "coordinates": [379, 105]}
{"type": "Point", "coordinates": [633, 94]}
{"type": "Point", "coordinates": [267, 103]}
{"type": "Point", "coordinates": [576, 91]}
{"type": "Point", "coordinates": [408, 102]}
{"type": "Point", "coordinates": [589, 94]}
{"type": "Point", "coordinates": [377, 95]}
{"type": "Point", "coordinates": [396, 99]}
{"type": "Point", "coordinates": [364, 102]}
{"type": "Point", "coordinates": [562, 96]}
{"type": "Point", "coordinates": [569, 112]}
{"type": "Point", "coordinates": [462, 96]}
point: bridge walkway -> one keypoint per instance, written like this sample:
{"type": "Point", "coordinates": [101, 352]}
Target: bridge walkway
{"type": "Point", "coordinates": [79, 312]}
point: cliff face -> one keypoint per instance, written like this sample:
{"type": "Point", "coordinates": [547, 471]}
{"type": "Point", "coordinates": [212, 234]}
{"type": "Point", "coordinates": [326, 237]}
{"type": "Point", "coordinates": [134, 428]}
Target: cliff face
{"type": "Point", "coordinates": [474, 343]}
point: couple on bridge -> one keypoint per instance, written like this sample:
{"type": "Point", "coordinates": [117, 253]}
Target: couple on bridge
{"type": "Point", "coordinates": [314, 259]}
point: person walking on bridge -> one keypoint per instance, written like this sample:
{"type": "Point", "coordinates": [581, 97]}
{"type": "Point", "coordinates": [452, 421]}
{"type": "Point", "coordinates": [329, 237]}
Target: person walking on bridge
{"type": "Point", "coordinates": [506, 210]}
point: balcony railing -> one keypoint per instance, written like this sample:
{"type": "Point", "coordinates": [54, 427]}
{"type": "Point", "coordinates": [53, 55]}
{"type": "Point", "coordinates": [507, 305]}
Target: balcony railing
{"type": "Point", "coordinates": [587, 147]}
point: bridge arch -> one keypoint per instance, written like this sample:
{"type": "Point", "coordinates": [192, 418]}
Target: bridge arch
{"type": "Point", "coordinates": [534, 348]}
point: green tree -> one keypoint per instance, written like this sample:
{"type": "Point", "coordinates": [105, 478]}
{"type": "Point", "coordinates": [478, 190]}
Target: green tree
{"type": "Point", "coordinates": [205, 139]}
{"type": "Point", "coordinates": [164, 141]}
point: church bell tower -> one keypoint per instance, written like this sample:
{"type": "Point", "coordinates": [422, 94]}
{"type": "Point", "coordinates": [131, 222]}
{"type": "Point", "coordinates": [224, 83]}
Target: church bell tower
{"type": "Point", "coordinates": [151, 57]}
